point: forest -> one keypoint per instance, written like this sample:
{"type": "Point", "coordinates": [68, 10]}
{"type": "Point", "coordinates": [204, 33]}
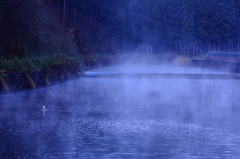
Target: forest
{"type": "Point", "coordinates": [188, 27]}
{"type": "Point", "coordinates": [153, 26]}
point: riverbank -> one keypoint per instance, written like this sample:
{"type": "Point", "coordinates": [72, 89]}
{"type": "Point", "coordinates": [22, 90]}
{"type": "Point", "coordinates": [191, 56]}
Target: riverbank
{"type": "Point", "coordinates": [62, 69]}
{"type": "Point", "coordinates": [20, 81]}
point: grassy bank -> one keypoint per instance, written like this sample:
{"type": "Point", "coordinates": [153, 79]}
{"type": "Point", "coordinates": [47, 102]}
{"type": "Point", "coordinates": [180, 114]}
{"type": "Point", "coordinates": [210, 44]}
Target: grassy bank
{"type": "Point", "coordinates": [86, 61]}
{"type": "Point", "coordinates": [32, 64]}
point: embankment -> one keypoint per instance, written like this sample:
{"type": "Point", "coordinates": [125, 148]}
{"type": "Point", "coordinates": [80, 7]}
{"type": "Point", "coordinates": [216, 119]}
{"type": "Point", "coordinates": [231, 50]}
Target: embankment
{"type": "Point", "coordinates": [20, 81]}
{"type": "Point", "coordinates": [26, 80]}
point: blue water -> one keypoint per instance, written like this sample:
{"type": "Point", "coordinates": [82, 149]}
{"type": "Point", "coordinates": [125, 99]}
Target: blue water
{"type": "Point", "coordinates": [123, 118]}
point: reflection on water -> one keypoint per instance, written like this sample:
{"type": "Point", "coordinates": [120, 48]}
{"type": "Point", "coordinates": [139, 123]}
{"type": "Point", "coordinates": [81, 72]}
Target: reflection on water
{"type": "Point", "coordinates": [123, 118]}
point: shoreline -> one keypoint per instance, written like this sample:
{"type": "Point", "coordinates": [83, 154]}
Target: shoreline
{"type": "Point", "coordinates": [29, 80]}
{"type": "Point", "coordinates": [11, 82]}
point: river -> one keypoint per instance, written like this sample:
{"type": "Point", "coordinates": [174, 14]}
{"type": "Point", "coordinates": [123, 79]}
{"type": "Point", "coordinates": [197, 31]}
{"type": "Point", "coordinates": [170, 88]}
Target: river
{"type": "Point", "coordinates": [124, 117]}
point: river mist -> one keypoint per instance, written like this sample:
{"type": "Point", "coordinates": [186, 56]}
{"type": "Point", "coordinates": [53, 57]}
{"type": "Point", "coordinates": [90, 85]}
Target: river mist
{"type": "Point", "coordinates": [125, 117]}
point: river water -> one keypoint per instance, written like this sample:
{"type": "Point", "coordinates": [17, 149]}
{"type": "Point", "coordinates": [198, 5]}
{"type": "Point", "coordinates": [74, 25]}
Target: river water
{"type": "Point", "coordinates": [111, 117]}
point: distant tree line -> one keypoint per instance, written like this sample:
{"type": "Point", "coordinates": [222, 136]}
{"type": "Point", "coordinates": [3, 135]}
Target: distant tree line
{"type": "Point", "coordinates": [1, 30]}
{"type": "Point", "coordinates": [189, 27]}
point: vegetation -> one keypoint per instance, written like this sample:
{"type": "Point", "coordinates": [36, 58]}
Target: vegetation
{"type": "Point", "coordinates": [30, 30]}
{"type": "Point", "coordinates": [159, 26]}
{"type": "Point", "coordinates": [34, 64]}
{"type": "Point", "coordinates": [34, 31]}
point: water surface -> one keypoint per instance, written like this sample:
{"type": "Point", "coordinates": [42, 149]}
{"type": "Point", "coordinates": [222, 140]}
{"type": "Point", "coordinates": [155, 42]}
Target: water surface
{"type": "Point", "coordinates": [124, 118]}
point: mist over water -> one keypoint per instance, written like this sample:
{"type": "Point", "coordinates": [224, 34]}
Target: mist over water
{"type": "Point", "coordinates": [156, 68]}
{"type": "Point", "coordinates": [125, 117]}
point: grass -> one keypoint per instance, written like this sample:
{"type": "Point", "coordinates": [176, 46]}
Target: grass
{"type": "Point", "coordinates": [30, 64]}
{"type": "Point", "coordinates": [89, 61]}
{"type": "Point", "coordinates": [46, 62]}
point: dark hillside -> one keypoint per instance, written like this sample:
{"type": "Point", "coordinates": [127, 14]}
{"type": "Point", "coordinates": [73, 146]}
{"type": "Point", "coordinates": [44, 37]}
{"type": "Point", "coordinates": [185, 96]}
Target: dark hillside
{"type": "Point", "coordinates": [35, 27]}
{"type": "Point", "coordinates": [31, 29]}
{"type": "Point", "coordinates": [152, 26]}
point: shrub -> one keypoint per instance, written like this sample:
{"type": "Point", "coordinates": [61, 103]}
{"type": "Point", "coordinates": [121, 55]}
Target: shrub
{"type": "Point", "coordinates": [19, 65]}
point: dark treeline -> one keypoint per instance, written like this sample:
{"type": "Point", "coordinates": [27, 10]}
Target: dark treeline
{"type": "Point", "coordinates": [187, 27]}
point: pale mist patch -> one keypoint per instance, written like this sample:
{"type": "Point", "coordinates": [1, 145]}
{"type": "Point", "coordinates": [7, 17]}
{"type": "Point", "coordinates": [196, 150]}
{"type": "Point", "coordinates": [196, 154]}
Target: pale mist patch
{"type": "Point", "coordinates": [155, 68]}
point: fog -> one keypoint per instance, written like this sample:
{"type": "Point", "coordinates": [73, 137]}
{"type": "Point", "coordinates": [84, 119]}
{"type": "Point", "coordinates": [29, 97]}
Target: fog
{"type": "Point", "coordinates": [125, 117]}
{"type": "Point", "coordinates": [154, 68]}
{"type": "Point", "coordinates": [148, 104]}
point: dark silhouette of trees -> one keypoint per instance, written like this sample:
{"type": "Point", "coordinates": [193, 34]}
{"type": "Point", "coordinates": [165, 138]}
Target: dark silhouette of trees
{"type": "Point", "coordinates": [188, 27]}
{"type": "Point", "coordinates": [1, 26]}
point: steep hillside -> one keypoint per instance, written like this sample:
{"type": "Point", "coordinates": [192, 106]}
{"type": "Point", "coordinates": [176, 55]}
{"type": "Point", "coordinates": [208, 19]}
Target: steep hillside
{"type": "Point", "coordinates": [32, 30]}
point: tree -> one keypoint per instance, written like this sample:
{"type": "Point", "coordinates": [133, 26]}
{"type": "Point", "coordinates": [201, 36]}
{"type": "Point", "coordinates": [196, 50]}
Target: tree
{"type": "Point", "coordinates": [176, 25]}
{"type": "Point", "coordinates": [1, 26]}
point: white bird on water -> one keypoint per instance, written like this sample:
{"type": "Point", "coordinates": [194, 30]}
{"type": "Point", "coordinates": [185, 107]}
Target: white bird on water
{"type": "Point", "coordinates": [44, 108]}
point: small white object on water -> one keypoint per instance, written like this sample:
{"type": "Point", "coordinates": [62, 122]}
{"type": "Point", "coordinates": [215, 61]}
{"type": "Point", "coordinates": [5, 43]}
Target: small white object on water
{"type": "Point", "coordinates": [44, 108]}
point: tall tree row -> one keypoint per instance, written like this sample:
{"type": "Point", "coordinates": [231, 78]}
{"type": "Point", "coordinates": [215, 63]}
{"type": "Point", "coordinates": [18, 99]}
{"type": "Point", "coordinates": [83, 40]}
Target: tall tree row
{"type": "Point", "coordinates": [1, 26]}
{"type": "Point", "coordinates": [178, 26]}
